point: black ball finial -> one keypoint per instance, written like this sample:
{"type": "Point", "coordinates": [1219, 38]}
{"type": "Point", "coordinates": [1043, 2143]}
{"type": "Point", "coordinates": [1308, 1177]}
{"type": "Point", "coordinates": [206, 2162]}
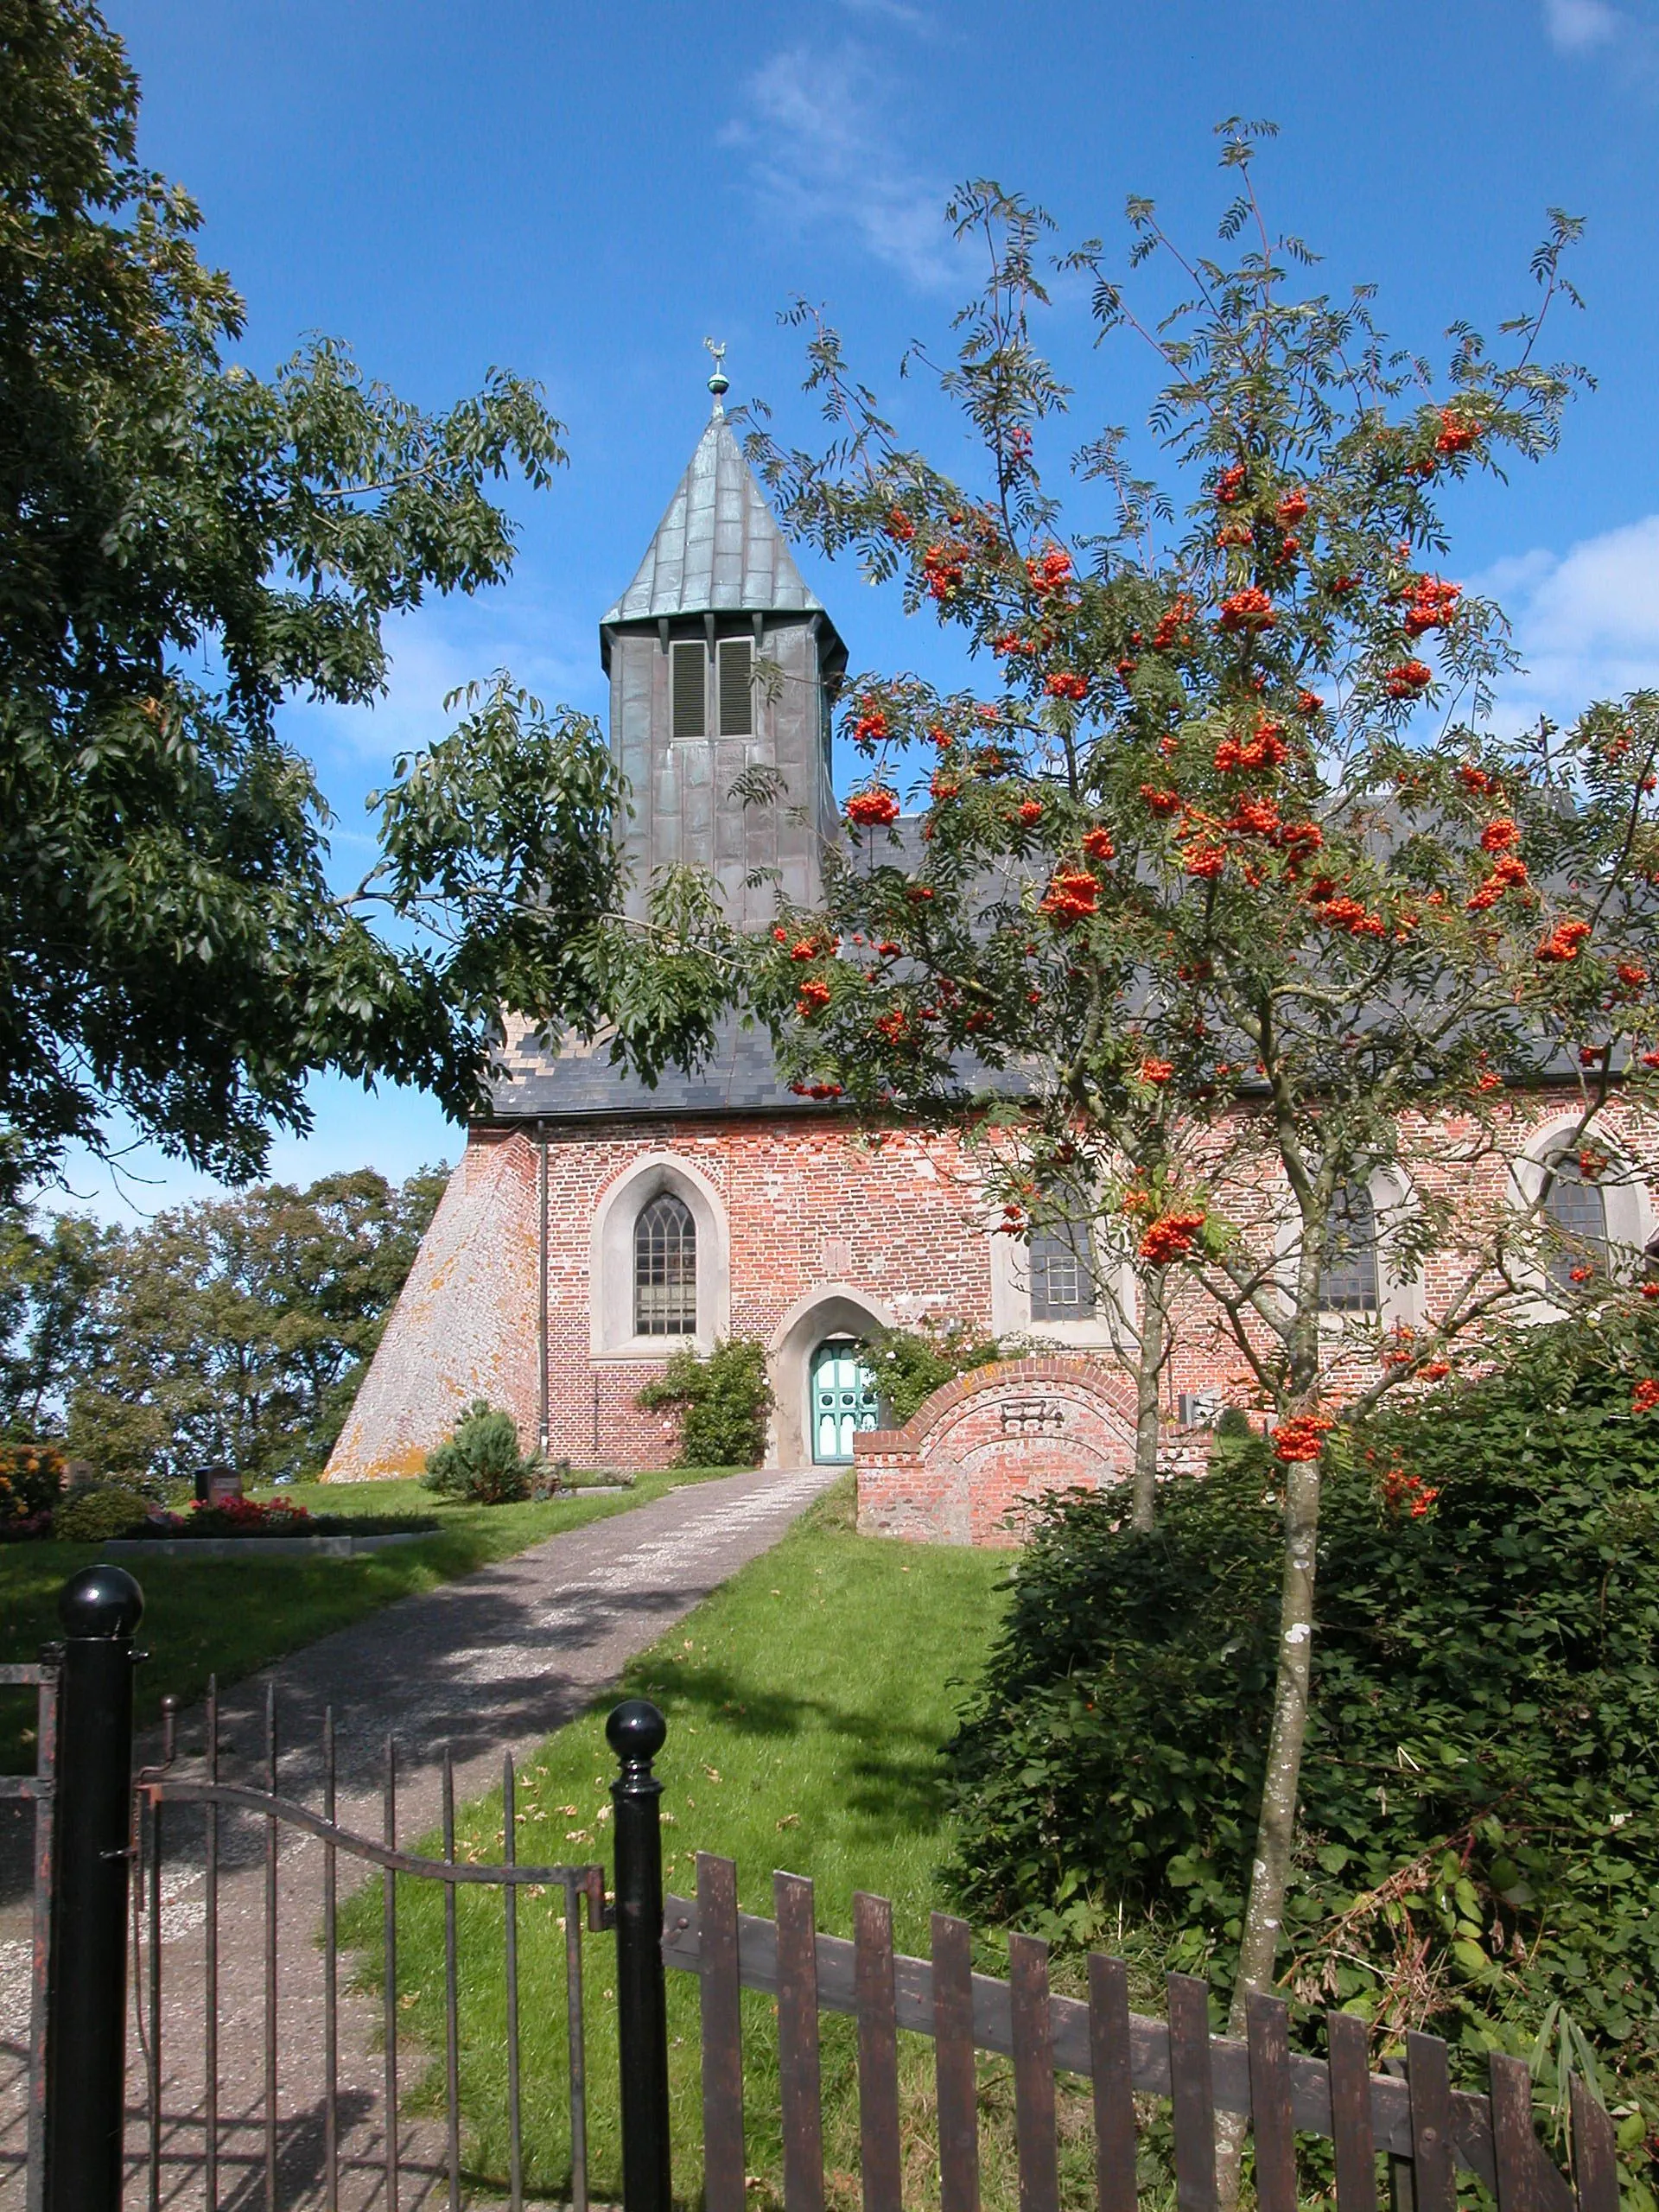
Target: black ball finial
{"type": "Point", "coordinates": [636, 1731]}
{"type": "Point", "coordinates": [103, 1601]}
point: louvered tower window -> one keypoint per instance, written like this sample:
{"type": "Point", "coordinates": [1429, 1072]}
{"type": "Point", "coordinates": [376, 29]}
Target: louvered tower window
{"type": "Point", "coordinates": [666, 1269]}
{"type": "Point", "coordinates": [1062, 1280]}
{"type": "Point", "coordinates": [1349, 1284]}
{"type": "Point", "coordinates": [1578, 1209]}
{"type": "Point", "coordinates": [689, 674]}
{"type": "Point", "coordinates": [736, 698]}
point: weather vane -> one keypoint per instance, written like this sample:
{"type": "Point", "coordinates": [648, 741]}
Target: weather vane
{"type": "Point", "coordinates": [719, 383]}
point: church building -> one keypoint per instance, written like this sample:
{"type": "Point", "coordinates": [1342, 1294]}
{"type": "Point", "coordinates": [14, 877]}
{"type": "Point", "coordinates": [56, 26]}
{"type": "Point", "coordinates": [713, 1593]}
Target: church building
{"type": "Point", "coordinates": [594, 1225]}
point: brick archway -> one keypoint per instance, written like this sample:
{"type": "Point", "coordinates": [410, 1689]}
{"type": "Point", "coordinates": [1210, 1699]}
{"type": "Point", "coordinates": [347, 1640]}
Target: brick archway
{"type": "Point", "coordinates": [984, 1449]}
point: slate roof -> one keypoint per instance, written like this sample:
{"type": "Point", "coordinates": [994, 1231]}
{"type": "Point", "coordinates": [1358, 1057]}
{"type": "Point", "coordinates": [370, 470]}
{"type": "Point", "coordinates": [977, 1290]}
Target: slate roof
{"type": "Point", "coordinates": [718, 549]}
{"type": "Point", "coordinates": [740, 1079]}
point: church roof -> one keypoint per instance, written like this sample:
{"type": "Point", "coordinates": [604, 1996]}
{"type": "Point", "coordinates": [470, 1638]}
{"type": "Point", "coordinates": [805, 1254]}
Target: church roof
{"type": "Point", "coordinates": [718, 549]}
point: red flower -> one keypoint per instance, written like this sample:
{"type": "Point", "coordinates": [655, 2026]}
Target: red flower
{"type": "Point", "coordinates": [1169, 1237]}
{"type": "Point", "coordinates": [941, 570]}
{"type": "Point", "coordinates": [1156, 1071]}
{"type": "Point", "coordinates": [1072, 894]}
{"type": "Point", "coordinates": [1457, 435]}
{"type": "Point", "coordinates": [1292, 508]}
{"type": "Point", "coordinates": [1264, 748]}
{"type": "Point", "coordinates": [1301, 1437]}
{"type": "Point", "coordinates": [1563, 943]}
{"type": "Point", "coordinates": [1433, 605]}
{"type": "Point", "coordinates": [1249, 609]}
{"type": "Point", "coordinates": [1098, 843]}
{"type": "Point", "coordinates": [1409, 680]}
{"type": "Point", "coordinates": [1064, 684]}
{"type": "Point", "coordinates": [1644, 1397]}
{"type": "Point", "coordinates": [872, 808]}
{"type": "Point", "coordinates": [1050, 573]}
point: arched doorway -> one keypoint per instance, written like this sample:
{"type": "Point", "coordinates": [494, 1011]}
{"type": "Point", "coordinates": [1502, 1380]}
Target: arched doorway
{"type": "Point", "coordinates": [841, 1400]}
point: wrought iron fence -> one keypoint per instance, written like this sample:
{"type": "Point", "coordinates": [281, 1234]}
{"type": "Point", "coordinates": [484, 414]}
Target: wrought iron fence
{"type": "Point", "coordinates": [275, 1815]}
{"type": "Point", "coordinates": [95, 1831]}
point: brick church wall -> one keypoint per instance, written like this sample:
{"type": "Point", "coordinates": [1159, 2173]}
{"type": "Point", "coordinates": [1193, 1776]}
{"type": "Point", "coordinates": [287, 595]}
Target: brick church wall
{"type": "Point", "coordinates": [897, 1220]}
{"type": "Point", "coordinates": [969, 1467]}
{"type": "Point", "coordinates": [809, 1203]}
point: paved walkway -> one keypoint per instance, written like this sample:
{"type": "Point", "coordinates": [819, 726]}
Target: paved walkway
{"type": "Point", "coordinates": [487, 1664]}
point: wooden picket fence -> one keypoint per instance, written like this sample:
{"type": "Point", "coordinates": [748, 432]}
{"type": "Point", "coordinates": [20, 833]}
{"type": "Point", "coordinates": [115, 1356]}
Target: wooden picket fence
{"type": "Point", "coordinates": [1426, 2128]}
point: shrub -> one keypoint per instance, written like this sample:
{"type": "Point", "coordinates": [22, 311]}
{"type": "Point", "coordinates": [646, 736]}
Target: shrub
{"type": "Point", "coordinates": [31, 1479]}
{"type": "Point", "coordinates": [481, 1462]}
{"type": "Point", "coordinates": [909, 1366]}
{"type": "Point", "coordinates": [725, 1400]}
{"type": "Point", "coordinates": [95, 1515]}
{"type": "Point", "coordinates": [1479, 1823]}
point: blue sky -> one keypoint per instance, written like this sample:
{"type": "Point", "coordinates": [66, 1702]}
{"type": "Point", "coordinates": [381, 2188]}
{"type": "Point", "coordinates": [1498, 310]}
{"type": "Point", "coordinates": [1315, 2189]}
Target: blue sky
{"type": "Point", "coordinates": [583, 191]}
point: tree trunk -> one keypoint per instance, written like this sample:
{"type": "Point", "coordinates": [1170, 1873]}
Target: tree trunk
{"type": "Point", "coordinates": [1276, 1828]}
{"type": "Point", "coordinates": [1155, 1327]}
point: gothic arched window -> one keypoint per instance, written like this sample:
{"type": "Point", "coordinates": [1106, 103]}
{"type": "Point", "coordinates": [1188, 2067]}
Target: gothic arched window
{"type": "Point", "coordinates": [1062, 1280]}
{"type": "Point", "coordinates": [1349, 1284]}
{"type": "Point", "coordinates": [1577, 1208]}
{"type": "Point", "coordinates": [666, 1269]}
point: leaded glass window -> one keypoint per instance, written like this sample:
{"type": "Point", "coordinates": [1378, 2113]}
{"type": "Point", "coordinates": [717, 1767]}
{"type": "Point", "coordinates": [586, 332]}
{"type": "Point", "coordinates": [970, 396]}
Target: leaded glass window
{"type": "Point", "coordinates": [1577, 1208]}
{"type": "Point", "coordinates": [666, 1269]}
{"type": "Point", "coordinates": [1349, 1284]}
{"type": "Point", "coordinates": [1062, 1280]}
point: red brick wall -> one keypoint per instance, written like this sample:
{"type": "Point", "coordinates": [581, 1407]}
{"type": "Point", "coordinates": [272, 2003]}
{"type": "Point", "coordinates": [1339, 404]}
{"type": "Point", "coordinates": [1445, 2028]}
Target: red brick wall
{"type": "Point", "coordinates": [969, 1465]}
{"type": "Point", "coordinates": [810, 1201]}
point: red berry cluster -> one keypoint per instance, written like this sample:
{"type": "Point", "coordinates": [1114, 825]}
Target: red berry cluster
{"type": "Point", "coordinates": [1562, 943]}
{"type": "Point", "coordinates": [872, 809]}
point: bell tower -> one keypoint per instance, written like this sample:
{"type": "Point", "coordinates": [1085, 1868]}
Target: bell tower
{"type": "Point", "coordinates": [721, 661]}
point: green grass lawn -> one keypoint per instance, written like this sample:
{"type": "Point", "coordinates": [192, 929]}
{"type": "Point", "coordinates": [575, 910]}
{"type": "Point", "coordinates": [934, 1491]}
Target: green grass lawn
{"type": "Point", "coordinates": [230, 1616]}
{"type": "Point", "coordinates": [806, 1704]}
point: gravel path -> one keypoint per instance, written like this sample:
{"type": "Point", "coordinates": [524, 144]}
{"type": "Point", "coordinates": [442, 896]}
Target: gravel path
{"type": "Point", "coordinates": [487, 1664]}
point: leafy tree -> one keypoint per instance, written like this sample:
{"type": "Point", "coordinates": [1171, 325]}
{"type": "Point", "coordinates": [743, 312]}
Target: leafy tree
{"type": "Point", "coordinates": [183, 546]}
{"type": "Point", "coordinates": [49, 1337]}
{"type": "Point", "coordinates": [237, 1329]}
{"type": "Point", "coordinates": [723, 1399]}
{"type": "Point", "coordinates": [910, 1364]}
{"type": "Point", "coordinates": [1226, 897]}
{"type": "Point", "coordinates": [1480, 1819]}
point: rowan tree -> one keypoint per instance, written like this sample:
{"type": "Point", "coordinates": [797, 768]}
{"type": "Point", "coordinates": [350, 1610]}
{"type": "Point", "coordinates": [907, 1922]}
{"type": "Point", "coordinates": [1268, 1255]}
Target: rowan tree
{"type": "Point", "coordinates": [1230, 892]}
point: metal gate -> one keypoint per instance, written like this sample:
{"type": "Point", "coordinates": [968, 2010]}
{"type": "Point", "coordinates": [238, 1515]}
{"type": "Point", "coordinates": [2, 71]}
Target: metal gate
{"type": "Point", "coordinates": [95, 1831]}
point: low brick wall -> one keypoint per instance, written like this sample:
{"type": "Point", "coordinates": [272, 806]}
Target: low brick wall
{"type": "Point", "coordinates": [968, 1466]}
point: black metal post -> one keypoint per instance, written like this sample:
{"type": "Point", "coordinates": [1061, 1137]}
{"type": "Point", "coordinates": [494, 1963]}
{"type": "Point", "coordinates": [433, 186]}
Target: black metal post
{"type": "Point", "coordinates": [86, 1997]}
{"type": "Point", "coordinates": [636, 1732]}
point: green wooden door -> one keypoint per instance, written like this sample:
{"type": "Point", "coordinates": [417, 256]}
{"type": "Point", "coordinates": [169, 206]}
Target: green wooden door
{"type": "Point", "coordinates": [844, 1400]}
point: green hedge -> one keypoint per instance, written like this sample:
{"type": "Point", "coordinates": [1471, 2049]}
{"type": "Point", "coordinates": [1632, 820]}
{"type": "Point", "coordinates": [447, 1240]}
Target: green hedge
{"type": "Point", "coordinates": [1479, 1835]}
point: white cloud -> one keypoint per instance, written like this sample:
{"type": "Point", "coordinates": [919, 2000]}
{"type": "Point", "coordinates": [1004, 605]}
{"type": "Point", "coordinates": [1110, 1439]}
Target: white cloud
{"type": "Point", "coordinates": [1586, 622]}
{"type": "Point", "coordinates": [1579, 26]}
{"type": "Point", "coordinates": [820, 135]}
